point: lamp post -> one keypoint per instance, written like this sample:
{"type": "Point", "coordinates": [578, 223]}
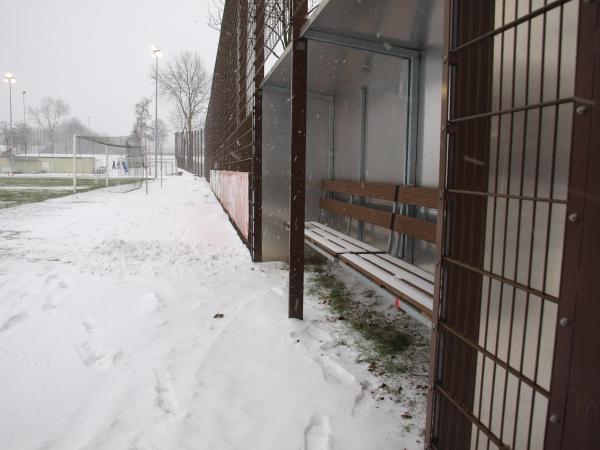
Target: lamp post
{"type": "Point", "coordinates": [24, 124]}
{"type": "Point", "coordinates": [10, 79]}
{"type": "Point", "coordinates": [157, 54]}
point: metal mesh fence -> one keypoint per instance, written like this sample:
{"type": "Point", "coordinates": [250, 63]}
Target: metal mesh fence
{"type": "Point", "coordinates": [117, 161]}
{"type": "Point", "coordinates": [510, 115]}
{"type": "Point", "coordinates": [116, 164]}
{"type": "Point", "coordinates": [254, 34]}
{"type": "Point", "coordinates": [189, 152]}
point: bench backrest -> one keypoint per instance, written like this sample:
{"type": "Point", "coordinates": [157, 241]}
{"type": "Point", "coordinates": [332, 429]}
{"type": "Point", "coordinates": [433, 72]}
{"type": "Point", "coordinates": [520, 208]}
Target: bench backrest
{"type": "Point", "coordinates": [396, 221]}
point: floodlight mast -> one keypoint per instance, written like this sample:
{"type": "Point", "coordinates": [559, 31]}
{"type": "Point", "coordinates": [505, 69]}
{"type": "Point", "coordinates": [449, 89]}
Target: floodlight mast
{"type": "Point", "coordinates": [10, 79]}
{"type": "Point", "coordinates": [74, 164]}
{"type": "Point", "coordinates": [106, 162]}
{"type": "Point", "coordinates": [24, 124]}
{"type": "Point", "coordinates": [156, 53]}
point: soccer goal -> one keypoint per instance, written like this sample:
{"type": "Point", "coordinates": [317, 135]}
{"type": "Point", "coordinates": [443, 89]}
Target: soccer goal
{"type": "Point", "coordinates": [117, 162]}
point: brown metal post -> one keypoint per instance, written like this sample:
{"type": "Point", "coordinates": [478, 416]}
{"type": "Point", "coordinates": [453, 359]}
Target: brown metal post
{"type": "Point", "coordinates": [574, 410]}
{"type": "Point", "coordinates": [299, 11]}
{"type": "Point", "coordinates": [463, 221]}
{"type": "Point", "coordinates": [431, 406]}
{"type": "Point", "coordinates": [259, 72]}
{"type": "Point", "coordinates": [190, 157]}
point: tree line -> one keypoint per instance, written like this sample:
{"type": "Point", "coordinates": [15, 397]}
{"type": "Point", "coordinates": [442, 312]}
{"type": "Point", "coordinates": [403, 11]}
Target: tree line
{"type": "Point", "coordinates": [185, 83]}
{"type": "Point", "coordinates": [49, 129]}
{"type": "Point", "coordinates": [182, 80]}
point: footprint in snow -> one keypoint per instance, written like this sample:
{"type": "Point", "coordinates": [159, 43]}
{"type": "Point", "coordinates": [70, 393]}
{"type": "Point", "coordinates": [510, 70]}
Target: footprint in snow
{"type": "Point", "coordinates": [13, 321]}
{"type": "Point", "coordinates": [154, 300]}
{"type": "Point", "coordinates": [317, 435]}
{"type": "Point", "coordinates": [278, 291]}
{"type": "Point", "coordinates": [93, 354]}
{"type": "Point", "coordinates": [121, 359]}
{"type": "Point", "coordinates": [52, 305]}
{"type": "Point", "coordinates": [362, 400]}
{"type": "Point", "coordinates": [50, 278]}
{"type": "Point", "coordinates": [314, 342]}
{"type": "Point", "coordinates": [91, 327]}
{"type": "Point", "coordinates": [137, 445]}
{"type": "Point", "coordinates": [333, 371]}
{"type": "Point", "coordinates": [165, 396]}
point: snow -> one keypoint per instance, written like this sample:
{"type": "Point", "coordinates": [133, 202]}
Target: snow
{"type": "Point", "coordinates": [110, 336]}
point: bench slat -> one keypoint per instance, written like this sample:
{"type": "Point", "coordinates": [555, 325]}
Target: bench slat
{"type": "Point", "coordinates": [418, 196]}
{"type": "Point", "coordinates": [327, 245]}
{"type": "Point", "coordinates": [408, 293]}
{"type": "Point", "coordinates": [370, 215]}
{"type": "Point", "coordinates": [330, 232]}
{"type": "Point", "coordinates": [404, 274]}
{"type": "Point", "coordinates": [349, 246]}
{"type": "Point", "coordinates": [409, 267]}
{"type": "Point", "coordinates": [380, 191]}
{"type": "Point", "coordinates": [417, 228]}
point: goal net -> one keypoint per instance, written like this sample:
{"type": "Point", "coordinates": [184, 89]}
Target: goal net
{"type": "Point", "coordinates": [117, 162]}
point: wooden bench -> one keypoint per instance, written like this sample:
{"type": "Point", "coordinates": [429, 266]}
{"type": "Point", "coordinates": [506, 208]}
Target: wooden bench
{"type": "Point", "coordinates": [410, 284]}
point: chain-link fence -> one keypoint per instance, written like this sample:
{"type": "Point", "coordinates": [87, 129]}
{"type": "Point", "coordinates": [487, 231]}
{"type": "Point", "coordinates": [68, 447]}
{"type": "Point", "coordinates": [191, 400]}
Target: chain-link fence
{"type": "Point", "coordinates": [120, 162]}
{"type": "Point", "coordinates": [117, 164]}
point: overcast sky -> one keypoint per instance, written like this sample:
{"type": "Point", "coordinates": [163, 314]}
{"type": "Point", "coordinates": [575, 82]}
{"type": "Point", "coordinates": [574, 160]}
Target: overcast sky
{"type": "Point", "coordinates": [95, 54]}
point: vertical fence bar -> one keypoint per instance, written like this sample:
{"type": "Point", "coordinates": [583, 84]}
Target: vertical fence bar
{"type": "Point", "coordinates": [106, 162]}
{"type": "Point", "coordinates": [74, 163]}
{"type": "Point", "coordinates": [259, 71]}
{"type": "Point", "coordinates": [574, 411]}
{"type": "Point", "coordinates": [298, 12]}
{"type": "Point", "coordinates": [432, 400]}
{"type": "Point", "coordinates": [499, 302]}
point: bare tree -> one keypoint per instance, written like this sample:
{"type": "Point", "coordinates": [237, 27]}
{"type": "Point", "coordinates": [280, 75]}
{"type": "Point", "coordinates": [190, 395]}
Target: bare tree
{"type": "Point", "coordinates": [177, 119]}
{"type": "Point", "coordinates": [67, 129]}
{"type": "Point", "coordinates": [142, 117]}
{"type": "Point", "coordinates": [163, 131]}
{"type": "Point", "coordinates": [6, 137]}
{"type": "Point", "coordinates": [278, 32]}
{"type": "Point", "coordinates": [185, 81]}
{"type": "Point", "coordinates": [22, 136]}
{"type": "Point", "coordinates": [48, 116]}
{"type": "Point", "coordinates": [215, 14]}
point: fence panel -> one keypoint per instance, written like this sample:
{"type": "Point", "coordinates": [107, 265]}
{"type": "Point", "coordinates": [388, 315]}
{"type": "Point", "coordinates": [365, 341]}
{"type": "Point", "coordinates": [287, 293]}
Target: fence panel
{"type": "Point", "coordinates": [505, 170]}
{"type": "Point", "coordinates": [231, 188]}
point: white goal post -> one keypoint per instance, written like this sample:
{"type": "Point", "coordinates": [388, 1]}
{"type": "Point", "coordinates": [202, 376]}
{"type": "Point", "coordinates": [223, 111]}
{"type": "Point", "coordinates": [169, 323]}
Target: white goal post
{"type": "Point", "coordinates": [92, 156]}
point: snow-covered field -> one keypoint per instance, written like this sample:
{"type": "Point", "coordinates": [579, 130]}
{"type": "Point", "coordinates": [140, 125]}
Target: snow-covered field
{"type": "Point", "coordinates": [110, 336]}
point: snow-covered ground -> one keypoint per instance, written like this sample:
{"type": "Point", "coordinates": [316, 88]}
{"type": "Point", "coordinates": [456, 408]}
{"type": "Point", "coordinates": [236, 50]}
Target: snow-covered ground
{"type": "Point", "coordinates": [110, 336]}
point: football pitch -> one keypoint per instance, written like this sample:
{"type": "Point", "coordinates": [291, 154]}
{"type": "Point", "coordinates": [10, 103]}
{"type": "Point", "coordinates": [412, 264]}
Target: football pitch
{"type": "Point", "coordinates": [16, 191]}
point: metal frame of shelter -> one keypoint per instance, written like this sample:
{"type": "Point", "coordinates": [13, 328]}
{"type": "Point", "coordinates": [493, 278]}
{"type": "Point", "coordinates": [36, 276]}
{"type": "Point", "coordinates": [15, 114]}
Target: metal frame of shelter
{"type": "Point", "coordinates": [482, 394]}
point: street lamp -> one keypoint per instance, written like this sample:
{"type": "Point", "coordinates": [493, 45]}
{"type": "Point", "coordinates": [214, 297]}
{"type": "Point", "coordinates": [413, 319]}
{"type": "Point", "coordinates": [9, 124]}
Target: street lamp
{"type": "Point", "coordinates": [156, 54]}
{"type": "Point", "coordinates": [24, 124]}
{"type": "Point", "coordinates": [10, 79]}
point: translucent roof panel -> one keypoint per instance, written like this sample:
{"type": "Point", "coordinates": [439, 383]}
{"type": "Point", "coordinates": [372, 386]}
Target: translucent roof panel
{"type": "Point", "coordinates": [398, 22]}
{"type": "Point", "coordinates": [408, 24]}
{"type": "Point", "coordinates": [329, 67]}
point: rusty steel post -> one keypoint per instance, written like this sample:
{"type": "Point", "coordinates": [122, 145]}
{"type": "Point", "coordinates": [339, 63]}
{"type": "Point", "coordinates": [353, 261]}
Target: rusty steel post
{"type": "Point", "coordinates": [432, 405]}
{"type": "Point", "coordinates": [259, 73]}
{"type": "Point", "coordinates": [573, 413]}
{"type": "Point", "coordinates": [298, 13]}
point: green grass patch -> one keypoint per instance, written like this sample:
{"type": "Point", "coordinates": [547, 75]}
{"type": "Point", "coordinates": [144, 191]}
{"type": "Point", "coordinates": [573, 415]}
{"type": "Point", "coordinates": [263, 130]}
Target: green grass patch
{"type": "Point", "coordinates": [63, 181]}
{"type": "Point", "coordinates": [385, 336]}
{"type": "Point", "coordinates": [10, 198]}
{"type": "Point", "coordinates": [14, 197]}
